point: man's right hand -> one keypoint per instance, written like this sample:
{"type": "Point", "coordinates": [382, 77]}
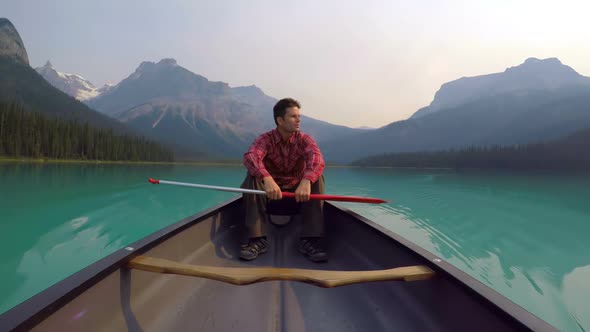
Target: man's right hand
{"type": "Point", "coordinates": [273, 191]}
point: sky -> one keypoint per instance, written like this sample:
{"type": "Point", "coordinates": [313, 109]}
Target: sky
{"type": "Point", "coordinates": [352, 63]}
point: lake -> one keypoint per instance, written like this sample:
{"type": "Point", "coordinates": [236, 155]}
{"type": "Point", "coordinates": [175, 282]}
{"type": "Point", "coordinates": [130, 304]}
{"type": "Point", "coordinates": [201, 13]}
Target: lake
{"type": "Point", "coordinates": [523, 234]}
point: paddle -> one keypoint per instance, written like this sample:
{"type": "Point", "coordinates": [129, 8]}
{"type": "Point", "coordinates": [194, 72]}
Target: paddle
{"type": "Point", "coordinates": [324, 197]}
{"type": "Point", "coordinates": [248, 275]}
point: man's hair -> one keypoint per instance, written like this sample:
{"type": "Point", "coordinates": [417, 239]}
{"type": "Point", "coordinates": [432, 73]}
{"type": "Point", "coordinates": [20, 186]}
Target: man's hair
{"type": "Point", "coordinates": [281, 107]}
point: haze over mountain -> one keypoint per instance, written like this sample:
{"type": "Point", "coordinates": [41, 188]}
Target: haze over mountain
{"type": "Point", "coordinates": [178, 106]}
{"type": "Point", "coordinates": [535, 101]}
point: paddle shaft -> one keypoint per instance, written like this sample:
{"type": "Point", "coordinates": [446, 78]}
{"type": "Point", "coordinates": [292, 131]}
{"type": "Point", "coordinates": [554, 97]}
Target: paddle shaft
{"type": "Point", "coordinates": [262, 192]}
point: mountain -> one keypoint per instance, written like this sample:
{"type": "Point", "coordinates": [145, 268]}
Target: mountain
{"type": "Point", "coordinates": [21, 84]}
{"type": "Point", "coordinates": [150, 81]}
{"type": "Point", "coordinates": [177, 106]}
{"type": "Point", "coordinates": [72, 84]}
{"type": "Point", "coordinates": [11, 45]}
{"type": "Point", "coordinates": [319, 130]}
{"type": "Point", "coordinates": [534, 74]}
{"type": "Point", "coordinates": [545, 100]}
{"type": "Point", "coordinates": [252, 95]}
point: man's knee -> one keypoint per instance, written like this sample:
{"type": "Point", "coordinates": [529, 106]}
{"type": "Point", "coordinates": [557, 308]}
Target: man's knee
{"type": "Point", "coordinates": [251, 182]}
{"type": "Point", "coordinates": [318, 186]}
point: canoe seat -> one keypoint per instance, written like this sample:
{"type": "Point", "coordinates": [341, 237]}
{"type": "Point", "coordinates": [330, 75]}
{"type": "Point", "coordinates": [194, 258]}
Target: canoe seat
{"type": "Point", "coordinates": [281, 212]}
{"type": "Point", "coordinates": [246, 276]}
{"type": "Point", "coordinates": [283, 207]}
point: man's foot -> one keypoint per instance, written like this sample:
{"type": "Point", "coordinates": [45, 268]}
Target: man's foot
{"type": "Point", "coordinates": [255, 247]}
{"type": "Point", "coordinates": [311, 248]}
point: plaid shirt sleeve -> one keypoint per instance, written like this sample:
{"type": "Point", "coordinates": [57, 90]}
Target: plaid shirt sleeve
{"type": "Point", "coordinates": [253, 158]}
{"type": "Point", "coordinates": [314, 161]}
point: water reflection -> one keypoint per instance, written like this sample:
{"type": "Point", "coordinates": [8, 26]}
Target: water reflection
{"type": "Point", "coordinates": [58, 218]}
{"type": "Point", "coordinates": [521, 234]}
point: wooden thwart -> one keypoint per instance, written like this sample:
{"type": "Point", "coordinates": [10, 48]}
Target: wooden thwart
{"type": "Point", "coordinates": [246, 276]}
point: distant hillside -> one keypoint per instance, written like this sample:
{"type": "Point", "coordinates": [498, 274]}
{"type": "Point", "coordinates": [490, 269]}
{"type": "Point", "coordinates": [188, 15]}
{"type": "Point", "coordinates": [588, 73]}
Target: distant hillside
{"type": "Point", "coordinates": [33, 135]}
{"type": "Point", "coordinates": [188, 125]}
{"type": "Point", "coordinates": [569, 153]}
{"type": "Point", "coordinates": [518, 117]}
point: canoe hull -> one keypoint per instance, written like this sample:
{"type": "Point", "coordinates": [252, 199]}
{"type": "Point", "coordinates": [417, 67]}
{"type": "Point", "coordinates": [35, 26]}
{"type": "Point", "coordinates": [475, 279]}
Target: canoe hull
{"type": "Point", "coordinates": [119, 299]}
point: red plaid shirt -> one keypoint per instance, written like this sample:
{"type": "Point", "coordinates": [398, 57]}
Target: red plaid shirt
{"type": "Point", "coordinates": [288, 162]}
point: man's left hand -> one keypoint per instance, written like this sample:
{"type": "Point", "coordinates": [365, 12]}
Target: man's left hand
{"type": "Point", "coordinates": [303, 190]}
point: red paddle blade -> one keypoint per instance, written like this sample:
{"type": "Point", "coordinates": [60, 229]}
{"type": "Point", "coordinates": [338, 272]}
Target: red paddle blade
{"type": "Point", "coordinates": [355, 199]}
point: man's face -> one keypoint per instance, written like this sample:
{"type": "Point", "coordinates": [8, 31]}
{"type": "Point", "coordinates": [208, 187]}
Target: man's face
{"type": "Point", "coordinates": [290, 122]}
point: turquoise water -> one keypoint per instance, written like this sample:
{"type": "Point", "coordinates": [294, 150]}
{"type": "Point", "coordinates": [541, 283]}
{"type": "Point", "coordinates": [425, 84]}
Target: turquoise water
{"type": "Point", "coordinates": [524, 235]}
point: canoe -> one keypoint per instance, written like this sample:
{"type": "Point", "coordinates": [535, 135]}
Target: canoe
{"type": "Point", "coordinates": [187, 277]}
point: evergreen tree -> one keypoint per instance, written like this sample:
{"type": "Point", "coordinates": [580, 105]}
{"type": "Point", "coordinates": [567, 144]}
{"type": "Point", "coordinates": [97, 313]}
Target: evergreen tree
{"type": "Point", "coordinates": [30, 134]}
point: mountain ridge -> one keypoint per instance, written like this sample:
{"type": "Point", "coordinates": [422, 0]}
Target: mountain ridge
{"type": "Point", "coordinates": [72, 84]}
{"type": "Point", "coordinates": [533, 73]}
{"type": "Point", "coordinates": [499, 119]}
{"type": "Point", "coordinates": [11, 44]}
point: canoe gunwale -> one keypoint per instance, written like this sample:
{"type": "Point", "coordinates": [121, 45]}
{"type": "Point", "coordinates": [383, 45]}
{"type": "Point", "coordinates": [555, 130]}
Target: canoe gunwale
{"type": "Point", "coordinates": [494, 299]}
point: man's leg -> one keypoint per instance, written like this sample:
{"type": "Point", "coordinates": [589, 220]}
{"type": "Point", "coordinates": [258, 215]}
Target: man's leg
{"type": "Point", "coordinates": [255, 207]}
{"type": "Point", "coordinates": [313, 225]}
{"type": "Point", "coordinates": [255, 211]}
{"type": "Point", "coordinates": [313, 212]}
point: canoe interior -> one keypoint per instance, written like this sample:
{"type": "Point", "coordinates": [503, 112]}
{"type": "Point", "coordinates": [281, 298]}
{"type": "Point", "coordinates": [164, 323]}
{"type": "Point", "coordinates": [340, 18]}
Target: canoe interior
{"type": "Point", "coordinates": [133, 300]}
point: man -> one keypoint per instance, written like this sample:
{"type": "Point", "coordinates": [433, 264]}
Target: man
{"type": "Point", "coordinates": [284, 159]}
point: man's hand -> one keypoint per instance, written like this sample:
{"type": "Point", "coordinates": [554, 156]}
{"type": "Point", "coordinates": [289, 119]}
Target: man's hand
{"type": "Point", "coordinates": [303, 190]}
{"type": "Point", "coordinates": [272, 188]}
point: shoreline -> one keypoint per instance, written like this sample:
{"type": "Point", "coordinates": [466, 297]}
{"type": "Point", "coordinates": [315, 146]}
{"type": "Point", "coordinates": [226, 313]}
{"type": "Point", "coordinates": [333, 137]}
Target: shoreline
{"type": "Point", "coordinates": [126, 162]}
{"type": "Point", "coordinates": [7, 162]}
{"type": "Point", "coordinates": [4, 159]}
{"type": "Point", "coordinates": [196, 163]}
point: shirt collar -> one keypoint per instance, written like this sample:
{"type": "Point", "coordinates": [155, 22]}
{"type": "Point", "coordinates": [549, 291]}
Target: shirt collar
{"type": "Point", "coordinates": [278, 139]}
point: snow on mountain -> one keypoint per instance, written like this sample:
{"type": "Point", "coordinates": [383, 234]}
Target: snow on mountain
{"type": "Point", "coordinates": [72, 84]}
